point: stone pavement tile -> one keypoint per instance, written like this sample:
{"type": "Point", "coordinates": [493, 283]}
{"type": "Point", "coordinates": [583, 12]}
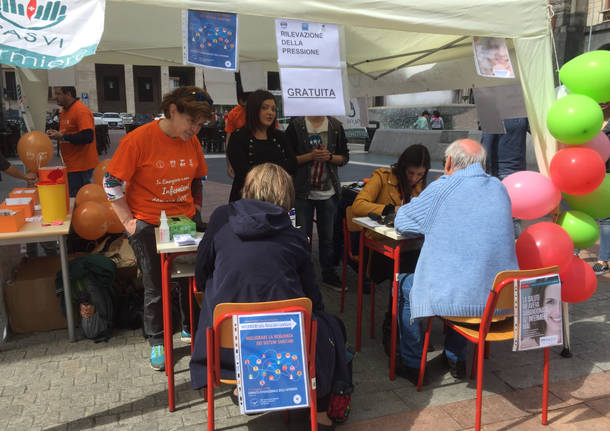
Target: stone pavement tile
{"type": "Point", "coordinates": [433, 418]}
{"type": "Point", "coordinates": [495, 407]}
{"type": "Point", "coordinates": [449, 390]}
{"type": "Point", "coordinates": [560, 369]}
{"type": "Point", "coordinates": [376, 404]}
{"type": "Point", "coordinates": [530, 400]}
{"type": "Point", "coordinates": [598, 353]}
{"type": "Point", "coordinates": [81, 424]}
{"type": "Point", "coordinates": [601, 405]}
{"type": "Point", "coordinates": [583, 389]}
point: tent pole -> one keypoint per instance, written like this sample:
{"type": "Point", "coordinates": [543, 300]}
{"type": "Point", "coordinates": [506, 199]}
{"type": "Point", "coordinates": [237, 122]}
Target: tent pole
{"type": "Point", "coordinates": [423, 51]}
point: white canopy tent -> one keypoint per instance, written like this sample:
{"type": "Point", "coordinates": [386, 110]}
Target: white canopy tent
{"type": "Point", "coordinates": [382, 37]}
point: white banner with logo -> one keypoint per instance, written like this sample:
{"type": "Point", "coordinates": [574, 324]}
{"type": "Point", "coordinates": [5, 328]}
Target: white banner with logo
{"type": "Point", "coordinates": [308, 44]}
{"type": "Point", "coordinates": [356, 115]}
{"type": "Point", "coordinates": [49, 34]}
{"type": "Point", "coordinates": [312, 92]}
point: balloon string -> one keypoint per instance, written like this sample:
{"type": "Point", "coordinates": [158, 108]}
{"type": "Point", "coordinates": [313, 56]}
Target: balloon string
{"type": "Point", "coordinates": [550, 14]}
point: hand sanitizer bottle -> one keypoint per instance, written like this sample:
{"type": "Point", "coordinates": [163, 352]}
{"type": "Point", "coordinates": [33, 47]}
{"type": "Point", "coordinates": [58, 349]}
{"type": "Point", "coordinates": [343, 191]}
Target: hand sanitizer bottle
{"type": "Point", "coordinates": [163, 228]}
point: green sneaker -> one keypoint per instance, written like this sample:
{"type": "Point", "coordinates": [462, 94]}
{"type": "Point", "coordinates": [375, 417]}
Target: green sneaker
{"type": "Point", "coordinates": [185, 337]}
{"type": "Point", "coordinates": [157, 358]}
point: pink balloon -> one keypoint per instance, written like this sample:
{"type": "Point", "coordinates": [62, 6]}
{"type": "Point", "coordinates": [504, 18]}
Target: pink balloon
{"type": "Point", "coordinates": [601, 144]}
{"type": "Point", "coordinates": [532, 195]}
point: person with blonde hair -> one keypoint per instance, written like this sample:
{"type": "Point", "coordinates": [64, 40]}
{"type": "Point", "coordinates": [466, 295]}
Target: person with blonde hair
{"type": "Point", "coordinates": [162, 163]}
{"type": "Point", "coordinates": [252, 253]}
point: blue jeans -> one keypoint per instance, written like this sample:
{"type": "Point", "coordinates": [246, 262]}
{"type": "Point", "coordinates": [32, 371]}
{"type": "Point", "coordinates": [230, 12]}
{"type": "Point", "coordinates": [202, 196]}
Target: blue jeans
{"type": "Point", "coordinates": [412, 336]}
{"type": "Point", "coordinates": [325, 219]}
{"type": "Point", "coordinates": [604, 240]}
{"type": "Point", "coordinates": [78, 179]}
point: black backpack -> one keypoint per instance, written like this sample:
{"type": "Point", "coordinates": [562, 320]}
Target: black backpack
{"type": "Point", "coordinates": [98, 326]}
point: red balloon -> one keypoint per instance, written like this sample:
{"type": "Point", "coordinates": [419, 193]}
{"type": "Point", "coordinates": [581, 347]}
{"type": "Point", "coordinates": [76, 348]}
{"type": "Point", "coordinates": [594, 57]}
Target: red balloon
{"type": "Point", "coordinates": [544, 244]}
{"type": "Point", "coordinates": [577, 170]}
{"type": "Point", "coordinates": [578, 281]}
{"type": "Point", "coordinates": [90, 220]}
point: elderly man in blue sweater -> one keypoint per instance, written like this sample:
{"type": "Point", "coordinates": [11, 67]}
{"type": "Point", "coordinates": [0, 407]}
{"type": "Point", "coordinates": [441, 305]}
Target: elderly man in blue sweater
{"type": "Point", "coordinates": [465, 217]}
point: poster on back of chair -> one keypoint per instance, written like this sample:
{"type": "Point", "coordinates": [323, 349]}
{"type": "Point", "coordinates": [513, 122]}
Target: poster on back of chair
{"type": "Point", "coordinates": [538, 318]}
{"type": "Point", "coordinates": [270, 362]}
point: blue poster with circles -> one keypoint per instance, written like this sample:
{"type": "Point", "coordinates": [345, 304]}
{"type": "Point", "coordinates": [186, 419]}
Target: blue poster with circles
{"type": "Point", "coordinates": [209, 39]}
{"type": "Point", "coordinates": [270, 362]}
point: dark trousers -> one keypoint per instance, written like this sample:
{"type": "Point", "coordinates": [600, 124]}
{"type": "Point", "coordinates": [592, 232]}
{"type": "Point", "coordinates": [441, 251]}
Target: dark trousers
{"type": "Point", "coordinates": [325, 211]}
{"type": "Point", "coordinates": [145, 250]}
{"type": "Point", "coordinates": [78, 179]}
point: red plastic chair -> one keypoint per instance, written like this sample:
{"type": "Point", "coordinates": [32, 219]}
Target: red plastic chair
{"type": "Point", "coordinates": [221, 335]}
{"type": "Point", "coordinates": [491, 328]}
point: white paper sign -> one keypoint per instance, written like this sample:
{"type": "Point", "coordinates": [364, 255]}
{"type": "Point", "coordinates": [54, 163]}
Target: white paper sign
{"type": "Point", "coordinates": [312, 92]}
{"type": "Point", "coordinates": [49, 34]}
{"type": "Point", "coordinates": [308, 44]}
{"type": "Point", "coordinates": [356, 115]}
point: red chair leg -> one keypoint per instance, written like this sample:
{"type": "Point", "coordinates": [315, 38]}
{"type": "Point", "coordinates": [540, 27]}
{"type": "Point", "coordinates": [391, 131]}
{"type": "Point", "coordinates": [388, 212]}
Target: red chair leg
{"type": "Point", "coordinates": [480, 363]}
{"type": "Point", "coordinates": [473, 370]}
{"type": "Point", "coordinates": [394, 333]}
{"type": "Point", "coordinates": [545, 386]}
{"type": "Point", "coordinates": [211, 379]}
{"type": "Point", "coordinates": [344, 274]}
{"type": "Point", "coordinates": [424, 355]}
{"type": "Point", "coordinates": [191, 312]}
{"type": "Point", "coordinates": [372, 294]}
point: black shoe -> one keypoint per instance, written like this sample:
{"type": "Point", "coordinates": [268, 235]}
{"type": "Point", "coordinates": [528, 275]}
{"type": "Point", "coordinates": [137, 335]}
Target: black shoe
{"type": "Point", "coordinates": [456, 368]}
{"type": "Point", "coordinates": [411, 374]}
{"type": "Point", "coordinates": [333, 281]}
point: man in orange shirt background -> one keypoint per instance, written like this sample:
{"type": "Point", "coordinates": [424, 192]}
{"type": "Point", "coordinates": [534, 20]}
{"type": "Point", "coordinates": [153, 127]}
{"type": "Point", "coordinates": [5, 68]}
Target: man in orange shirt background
{"type": "Point", "coordinates": [76, 136]}
{"type": "Point", "coordinates": [236, 119]}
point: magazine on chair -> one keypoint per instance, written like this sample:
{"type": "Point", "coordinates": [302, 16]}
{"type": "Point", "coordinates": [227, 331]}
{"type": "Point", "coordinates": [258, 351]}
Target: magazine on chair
{"type": "Point", "coordinates": [538, 313]}
{"type": "Point", "coordinates": [270, 361]}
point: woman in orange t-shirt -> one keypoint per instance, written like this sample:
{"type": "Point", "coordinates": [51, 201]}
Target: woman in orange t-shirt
{"type": "Point", "coordinates": [161, 162]}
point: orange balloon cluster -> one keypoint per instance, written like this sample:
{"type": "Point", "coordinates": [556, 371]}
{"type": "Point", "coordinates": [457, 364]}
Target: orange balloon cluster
{"type": "Point", "coordinates": [100, 171]}
{"type": "Point", "coordinates": [93, 216]}
{"type": "Point", "coordinates": [35, 150]}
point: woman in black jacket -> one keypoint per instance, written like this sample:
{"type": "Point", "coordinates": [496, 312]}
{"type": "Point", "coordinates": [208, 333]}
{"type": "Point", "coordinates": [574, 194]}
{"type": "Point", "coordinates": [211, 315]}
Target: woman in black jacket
{"type": "Point", "coordinates": [252, 253]}
{"type": "Point", "coordinates": [258, 142]}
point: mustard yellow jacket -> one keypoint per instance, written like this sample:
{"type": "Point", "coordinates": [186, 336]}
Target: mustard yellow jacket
{"type": "Point", "coordinates": [381, 190]}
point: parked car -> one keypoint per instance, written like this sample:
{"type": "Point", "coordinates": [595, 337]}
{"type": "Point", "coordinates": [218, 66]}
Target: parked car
{"type": "Point", "coordinates": [98, 119]}
{"type": "Point", "coordinates": [159, 116]}
{"type": "Point", "coordinates": [141, 119]}
{"type": "Point", "coordinates": [113, 120]}
{"type": "Point", "coordinates": [126, 117]}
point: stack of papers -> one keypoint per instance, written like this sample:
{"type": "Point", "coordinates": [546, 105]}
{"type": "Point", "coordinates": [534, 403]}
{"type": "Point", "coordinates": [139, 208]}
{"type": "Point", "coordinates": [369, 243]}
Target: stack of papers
{"type": "Point", "coordinates": [186, 239]}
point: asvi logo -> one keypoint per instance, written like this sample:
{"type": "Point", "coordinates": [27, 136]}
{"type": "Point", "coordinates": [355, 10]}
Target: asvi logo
{"type": "Point", "coordinates": [31, 14]}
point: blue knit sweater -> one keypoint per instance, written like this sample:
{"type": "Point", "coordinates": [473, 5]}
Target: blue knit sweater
{"type": "Point", "coordinates": [466, 220]}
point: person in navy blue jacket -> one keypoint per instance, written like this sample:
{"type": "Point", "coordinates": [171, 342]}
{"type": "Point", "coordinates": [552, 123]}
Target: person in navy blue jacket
{"type": "Point", "coordinates": [252, 253]}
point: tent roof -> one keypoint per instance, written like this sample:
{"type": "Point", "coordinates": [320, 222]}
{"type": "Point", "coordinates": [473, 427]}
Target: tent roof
{"type": "Point", "coordinates": [373, 29]}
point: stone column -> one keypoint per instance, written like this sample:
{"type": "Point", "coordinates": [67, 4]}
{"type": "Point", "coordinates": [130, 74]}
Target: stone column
{"type": "Point", "coordinates": [86, 83]}
{"type": "Point", "coordinates": [164, 80]}
{"type": "Point", "coordinates": [199, 77]}
{"type": "Point", "coordinates": [130, 94]}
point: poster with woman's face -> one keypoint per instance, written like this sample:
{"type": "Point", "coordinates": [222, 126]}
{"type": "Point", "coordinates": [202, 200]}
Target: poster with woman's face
{"type": "Point", "coordinates": [540, 313]}
{"type": "Point", "coordinates": [491, 57]}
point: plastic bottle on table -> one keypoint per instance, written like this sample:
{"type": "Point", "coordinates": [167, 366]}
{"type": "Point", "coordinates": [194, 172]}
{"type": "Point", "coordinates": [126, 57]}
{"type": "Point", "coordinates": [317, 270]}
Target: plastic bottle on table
{"type": "Point", "coordinates": [163, 228]}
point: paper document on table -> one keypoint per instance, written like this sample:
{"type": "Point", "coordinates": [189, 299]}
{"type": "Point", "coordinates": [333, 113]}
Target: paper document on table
{"type": "Point", "coordinates": [369, 222]}
{"type": "Point", "coordinates": [186, 239]}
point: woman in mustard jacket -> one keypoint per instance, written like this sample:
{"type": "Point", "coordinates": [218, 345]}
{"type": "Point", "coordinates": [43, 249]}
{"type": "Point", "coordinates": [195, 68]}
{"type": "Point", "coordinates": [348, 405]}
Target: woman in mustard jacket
{"type": "Point", "coordinates": [385, 192]}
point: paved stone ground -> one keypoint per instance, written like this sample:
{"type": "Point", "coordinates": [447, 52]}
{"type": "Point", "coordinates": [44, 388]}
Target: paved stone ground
{"type": "Point", "coordinates": [51, 384]}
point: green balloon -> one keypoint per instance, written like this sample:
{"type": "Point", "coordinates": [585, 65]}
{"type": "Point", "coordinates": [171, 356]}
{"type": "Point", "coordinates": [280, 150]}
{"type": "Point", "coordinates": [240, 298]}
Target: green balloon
{"type": "Point", "coordinates": [581, 227]}
{"type": "Point", "coordinates": [588, 74]}
{"type": "Point", "coordinates": [575, 119]}
{"type": "Point", "coordinates": [596, 204]}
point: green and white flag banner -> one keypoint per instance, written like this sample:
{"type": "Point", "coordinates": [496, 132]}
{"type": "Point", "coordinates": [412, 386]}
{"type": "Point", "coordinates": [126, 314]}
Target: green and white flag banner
{"type": "Point", "coordinates": [49, 34]}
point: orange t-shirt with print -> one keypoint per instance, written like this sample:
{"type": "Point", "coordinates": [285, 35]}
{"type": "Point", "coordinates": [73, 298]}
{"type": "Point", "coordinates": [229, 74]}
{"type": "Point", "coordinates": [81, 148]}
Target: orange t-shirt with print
{"type": "Point", "coordinates": [159, 171]}
{"type": "Point", "coordinates": [73, 120]}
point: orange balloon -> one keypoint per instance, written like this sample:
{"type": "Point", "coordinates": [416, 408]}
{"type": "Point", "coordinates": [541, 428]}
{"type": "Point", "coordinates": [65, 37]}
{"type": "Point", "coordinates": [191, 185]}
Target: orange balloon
{"type": "Point", "coordinates": [114, 224]}
{"type": "Point", "coordinates": [90, 220]}
{"type": "Point", "coordinates": [100, 171]}
{"type": "Point", "coordinates": [35, 150]}
{"type": "Point", "coordinates": [91, 192]}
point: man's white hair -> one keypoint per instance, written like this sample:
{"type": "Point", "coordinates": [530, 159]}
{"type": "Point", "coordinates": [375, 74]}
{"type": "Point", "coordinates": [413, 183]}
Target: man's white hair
{"type": "Point", "coordinates": [460, 158]}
